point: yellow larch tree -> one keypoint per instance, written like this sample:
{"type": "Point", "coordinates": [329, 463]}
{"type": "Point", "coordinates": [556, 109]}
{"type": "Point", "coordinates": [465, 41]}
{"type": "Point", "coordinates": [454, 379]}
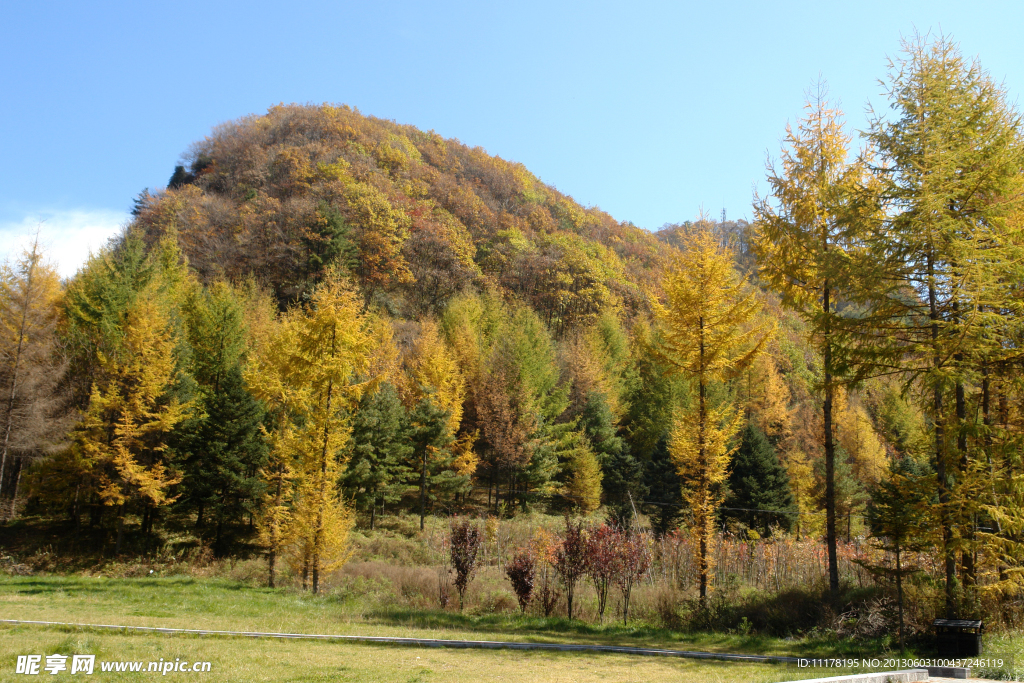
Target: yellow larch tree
{"type": "Point", "coordinates": [273, 525]}
{"type": "Point", "coordinates": [123, 436]}
{"type": "Point", "coordinates": [314, 368]}
{"type": "Point", "coordinates": [769, 398]}
{"type": "Point", "coordinates": [435, 371]}
{"type": "Point", "coordinates": [709, 336]}
{"type": "Point", "coordinates": [381, 230]}
{"type": "Point", "coordinates": [804, 242]}
{"type": "Point", "coordinates": [30, 292]}
{"type": "Point", "coordinates": [856, 434]}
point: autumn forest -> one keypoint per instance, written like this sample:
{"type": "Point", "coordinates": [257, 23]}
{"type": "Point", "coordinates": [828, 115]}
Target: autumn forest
{"type": "Point", "coordinates": [327, 321]}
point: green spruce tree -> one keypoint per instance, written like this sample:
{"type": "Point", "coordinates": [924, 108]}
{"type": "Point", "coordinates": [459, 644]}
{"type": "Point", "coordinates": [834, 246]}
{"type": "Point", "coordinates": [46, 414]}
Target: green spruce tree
{"type": "Point", "coordinates": [759, 493]}
{"type": "Point", "coordinates": [378, 469]}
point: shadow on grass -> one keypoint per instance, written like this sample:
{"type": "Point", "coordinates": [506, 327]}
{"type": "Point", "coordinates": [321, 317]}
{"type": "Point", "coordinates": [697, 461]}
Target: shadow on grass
{"type": "Point", "coordinates": [540, 629]}
{"type": "Point", "coordinates": [100, 585]}
{"type": "Point", "coordinates": [558, 628]}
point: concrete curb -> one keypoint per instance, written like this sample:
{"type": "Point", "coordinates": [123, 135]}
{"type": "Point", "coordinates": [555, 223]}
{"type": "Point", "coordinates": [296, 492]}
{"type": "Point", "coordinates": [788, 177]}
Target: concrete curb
{"type": "Point", "coordinates": [905, 676]}
{"type": "Point", "coordinates": [433, 642]}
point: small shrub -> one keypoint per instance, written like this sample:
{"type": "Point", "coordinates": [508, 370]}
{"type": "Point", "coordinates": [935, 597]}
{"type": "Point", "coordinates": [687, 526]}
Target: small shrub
{"type": "Point", "coordinates": [444, 586]}
{"type": "Point", "coordinates": [604, 561]}
{"type": "Point", "coordinates": [497, 602]}
{"type": "Point", "coordinates": [634, 561]}
{"type": "Point", "coordinates": [521, 572]}
{"type": "Point", "coordinates": [548, 591]}
{"type": "Point", "coordinates": [466, 540]}
{"type": "Point", "coordinates": [571, 560]}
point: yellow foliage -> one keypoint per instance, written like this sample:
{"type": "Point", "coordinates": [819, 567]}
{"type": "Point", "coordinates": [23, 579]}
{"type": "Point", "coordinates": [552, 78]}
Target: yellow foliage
{"type": "Point", "coordinates": [436, 372]}
{"type": "Point", "coordinates": [466, 459]}
{"type": "Point", "coordinates": [804, 486]}
{"type": "Point", "coordinates": [699, 449]}
{"type": "Point", "coordinates": [856, 434]}
{"type": "Point", "coordinates": [708, 336]}
{"type": "Point", "coordinates": [391, 158]}
{"type": "Point", "coordinates": [337, 171]}
{"type": "Point", "coordinates": [593, 369]}
{"type": "Point", "coordinates": [383, 229]}
{"type": "Point", "coordinates": [770, 398]}
{"type": "Point", "coordinates": [130, 417]}
{"type": "Point", "coordinates": [583, 486]}
{"type": "Point", "coordinates": [315, 368]}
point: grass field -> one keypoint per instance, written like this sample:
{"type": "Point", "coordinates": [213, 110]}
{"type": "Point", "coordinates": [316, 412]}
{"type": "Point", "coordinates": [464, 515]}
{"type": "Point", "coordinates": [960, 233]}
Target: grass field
{"type": "Point", "coordinates": [249, 660]}
{"type": "Point", "coordinates": [221, 604]}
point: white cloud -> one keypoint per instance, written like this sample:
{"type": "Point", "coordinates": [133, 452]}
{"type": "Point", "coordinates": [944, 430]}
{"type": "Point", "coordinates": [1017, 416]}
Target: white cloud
{"type": "Point", "coordinates": [67, 237]}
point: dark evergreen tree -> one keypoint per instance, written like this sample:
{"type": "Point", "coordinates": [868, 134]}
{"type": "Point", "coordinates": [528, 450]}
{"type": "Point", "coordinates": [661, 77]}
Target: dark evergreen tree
{"type": "Point", "coordinates": [758, 486]}
{"type": "Point", "coordinates": [623, 474]}
{"type": "Point", "coordinates": [664, 500]}
{"type": "Point", "coordinates": [221, 455]}
{"type": "Point", "coordinates": [378, 470]}
{"type": "Point", "coordinates": [539, 477]}
{"type": "Point", "coordinates": [432, 454]}
{"type": "Point", "coordinates": [897, 515]}
{"type": "Point", "coordinates": [328, 241]}
{"type": "Point", "coordinates": [179, 177]}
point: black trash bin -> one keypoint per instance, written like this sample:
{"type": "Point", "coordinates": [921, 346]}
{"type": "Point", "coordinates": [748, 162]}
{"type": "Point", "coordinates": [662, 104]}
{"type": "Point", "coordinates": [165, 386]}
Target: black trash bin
{"type": "Point", "coordinates": [958, 637]}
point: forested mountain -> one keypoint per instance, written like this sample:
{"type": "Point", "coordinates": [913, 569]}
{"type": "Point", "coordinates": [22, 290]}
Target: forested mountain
{"type": "Point", "coordinates": [418, 218]}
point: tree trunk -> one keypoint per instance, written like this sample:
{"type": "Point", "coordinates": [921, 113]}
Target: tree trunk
{"type": "Point", "coordinates": [899, 592]}
{"type": "Point", "coordinates": [218, 540]}
{"type": "Point", "coordinates": [75, 513]}
{"type": "Point", "coordinates": [95, 513]}
{"type": "Point", "coordinates": [423, 488]}
{"type": "Point", "coordinates": [702, 421]}
{"type": "Point", "coordinates": [940, 454]}
{"type": "Point", "coordinates": [120, 529]}
{"type": "Point", "coordinates": [272, 559]}
{"type": "Point", "coordinates": [318, 532]}
{"type": "Point", "coordinates": [18, 466]}
{"type": "Point", "coordinates": [967, 569]}
{"type": "Point", "coordinates": [830, 456]}
{"type": "Point", "coordinates": [9, 421]}
{"type": "Point", "coordinates": [703, 565]}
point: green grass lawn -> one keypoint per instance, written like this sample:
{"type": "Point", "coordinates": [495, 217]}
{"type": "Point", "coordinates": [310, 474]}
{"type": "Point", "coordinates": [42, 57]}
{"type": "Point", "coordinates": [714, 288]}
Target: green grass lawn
{"type": "Point", "coordinates": [220, 604]}
{"type": "Point", "coordinates": [235, 659]}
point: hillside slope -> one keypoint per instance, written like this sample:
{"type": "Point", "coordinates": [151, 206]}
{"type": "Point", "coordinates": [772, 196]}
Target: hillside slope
{"type": "Point", "coordinates": [415, 216]}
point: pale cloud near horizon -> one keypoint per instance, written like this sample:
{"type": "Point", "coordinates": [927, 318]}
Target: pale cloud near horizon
{"type": "Point", "coordinates": [67, 237]}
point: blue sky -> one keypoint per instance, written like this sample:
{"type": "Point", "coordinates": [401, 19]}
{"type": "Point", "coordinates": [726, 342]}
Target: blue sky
{"type": "Point", "coordinates": [648, 110]}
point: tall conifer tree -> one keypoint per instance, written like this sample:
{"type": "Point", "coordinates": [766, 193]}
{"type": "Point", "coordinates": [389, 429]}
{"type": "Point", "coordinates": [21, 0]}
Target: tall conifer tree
{"type": "Point", "coordinates": [30, 294]}
{"type": "Point", "coordinates": [709, 336]}
{"type": "Point", "coordinates": [314, 370]}
{"type": "Point", "coordinates": [949, 174]}
{"type": "Point", "coordinates": [805, 230]}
